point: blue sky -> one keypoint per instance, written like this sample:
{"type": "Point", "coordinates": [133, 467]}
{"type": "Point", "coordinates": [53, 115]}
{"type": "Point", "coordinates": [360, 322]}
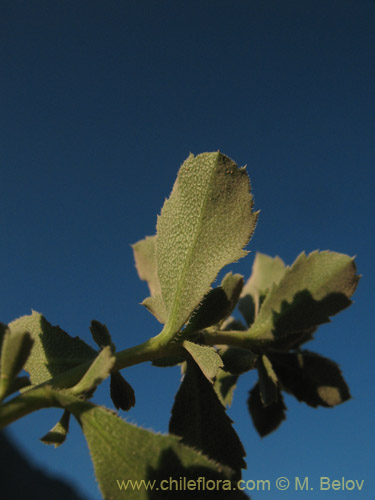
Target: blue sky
{"type": "Point", "coordinates": [100, 104]}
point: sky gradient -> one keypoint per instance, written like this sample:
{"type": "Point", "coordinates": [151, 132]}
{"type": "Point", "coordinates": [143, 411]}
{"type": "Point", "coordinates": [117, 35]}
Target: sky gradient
{"type": "Point", "coordinates": [100, 104]}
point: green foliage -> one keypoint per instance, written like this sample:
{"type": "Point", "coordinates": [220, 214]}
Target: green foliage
{"type": "Point", "coordinates": [203, 226]}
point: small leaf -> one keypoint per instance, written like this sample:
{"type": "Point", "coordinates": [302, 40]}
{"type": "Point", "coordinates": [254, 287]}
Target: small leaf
{"type": "Point", "coordinates": [16, 348]}
{"type": "Point", "coordinates": [121, 451]}
{"type": "Point", "coordinates": [145, 262]}
{"type": "Point", "coordinates": [312, 289]}
{"type": "Point", "coordinates": [99, 370]}
{"type": "Point", "coordinates": [232, 284]}
{"type": "Point", "coordinates": [122, 393]}
{"type": "Point", "coordinates": [311, 378]}
{"type": "Point", "coordinates": [58, 433]}
{"type": "Point", "coordinates": [54, 351]}
{"type": "Point", "coordinates": [100, 334]}
{"type": "Point", "coordinates": [268, 383]}
{"type": "Point", "coordinates": [203, 226]}
{"type": "Point", "coordinates": [215, 306]}
{"type": "Point", "coordinates": [266, 271]}
{"type": "Point", "coordinates": [200, 419]}
{"type": "Point", "coordinates": [265, 418]}
{"type": "Point", "coordinates": [206, 358]}
{"type": "Point", "coordinates": [237, 360]}
{"type": "Point", "coordinates": [224, 386]}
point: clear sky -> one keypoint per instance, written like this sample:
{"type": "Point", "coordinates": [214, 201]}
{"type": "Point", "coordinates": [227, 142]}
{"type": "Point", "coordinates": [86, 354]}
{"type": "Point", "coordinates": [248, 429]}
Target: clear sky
{"type": "Point", "coordinates": [100, 104]}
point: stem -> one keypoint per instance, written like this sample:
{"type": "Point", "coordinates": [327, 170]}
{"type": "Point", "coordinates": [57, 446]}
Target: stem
{"type": "Point", "coordinates": [40, 396]}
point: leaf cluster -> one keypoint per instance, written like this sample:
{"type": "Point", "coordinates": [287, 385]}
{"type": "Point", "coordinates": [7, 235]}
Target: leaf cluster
{"type": "Point", "coordinates": [216, 335]}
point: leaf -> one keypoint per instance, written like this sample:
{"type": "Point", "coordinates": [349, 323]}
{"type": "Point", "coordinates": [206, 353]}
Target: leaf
{"type": "Point", "coordinates": [266, 419]}
{"type": "Point", "coordinates": [224, 386]}
{"type": "Point", "coordinates": [99, 370]}
{"type": "Point", "coordinates": [100, 334]}
{"type": "Point", "coordinates": [121, 451]}
{"type": "Point", "coordinates": [203, 226]}
{"type": "Point", "coordinates": [16, 347]}
{"type": "Point", "coordinates": [266, 271]}
{"type": "Point", "coordinates": [145, 262]}
{"type": "Point", "coordinates": [199, 417]}
{"type": "Point", "coordinates": [312, 289]}
{"type": "Point", "coordinates": [214, 307]}
{"type": "Point", "coordinates": [237, 360]}
{"type": "Point", "coordinates": [232, 284]}
{"type": "Point", "coordinates": [311, 378]}
{"type": "Point", "coordinates": [58, 433]}
{"type": "Point", "coordinates": [268, 383]}
{"type": "Point", "coordinates": [122, 393]}
{"type": "Point", "coordinates": [206, 358]}
{"type": "Point", "coordinates": [54, 351]}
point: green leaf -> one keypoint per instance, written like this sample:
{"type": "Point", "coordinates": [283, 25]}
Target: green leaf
{"type": "Point", "coordinates": [237, 360]}
{"type": "Point", "coordinates": [203, 226]}
{"type": "Point", "coordinates": [145, 262]}
{"type": "Point", "coordinates": [54, 351]}
{"type": "Point", "coordinates": [224, 385]}
{"type": "Point", "coordinates": [206, 358]}
{"type": "Point", "coordinates": [268, 383]}
{"type": "Point", "coordinates": [199, 417]}
{"type": "Point", "coordinates": [100, 334]}
{"type": "Point", "coordinates": [122, 393]}
{"type": "Point", "coordinates": [266, 419]}
{"type": "Point", "coordinates": [232, 284]}
{"type": "Point", "coordinates": [99, 370]}
{"type": "Point", "coordinates": [121, 451]}
{"type": "Point", "coordinates": [58, 433]}
{"type": "Point", "coordinates": [266, 271]}
{"type": "Point", "coordinates": [16, 347]}
{"type": "Point", "coordinates": [311, 378]}
{"type": "Point", "coordinates": [214, 307]}
{"type": "Point", "coordinates": [312, 289]}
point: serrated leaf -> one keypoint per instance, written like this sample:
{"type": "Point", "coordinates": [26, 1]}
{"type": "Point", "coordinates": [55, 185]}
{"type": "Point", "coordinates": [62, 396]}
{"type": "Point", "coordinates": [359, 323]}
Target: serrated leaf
{"type": "Point", "coordinates": [224, 386]}
{"type": "Point", "coordinates": [237, 360]}
{"type": "Point", "coordinates": [121, 451]}
{"type": "Point", "coordinates": [57, 435]}
{"type": "Point", "coordinates": [232, 284]}
{"type": "Point", "coordinates": [266, 419]}
{"type": "Point", "coordinates": [268, 383]}
{"type": "Point", "coordinates": [203, 226]}
{"type": "Point", "coordinates": [54, 351]}
{"type": "Point", "coordinates": [266, 271]}
{"type": "Point", "coordinates": [122, 393]}
{"type": "Point", "coordinates": [16, 348]}
{"type": "Point", "coordinates": [215, 306]}
{"type": "Point", "coordinates": [199, 417]}
{"type": "Point", "coordinates": [99, 370]}
{"type": "Point", "coordinates": [206, 358]}
{"type": "Point", "coordinates": [312, 289]}
{"type": "Point", "coordinates": [311, 378]}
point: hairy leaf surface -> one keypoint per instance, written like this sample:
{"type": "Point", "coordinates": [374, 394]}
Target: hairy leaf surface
{"type": "Point", "coordinates": [312, 289]}
{"type": "Point", "coordinates": [54, 351]}
{"type": "Point", "coordinates": [204, 225]}
{"type": "Point", "coordinates": [206, 358]}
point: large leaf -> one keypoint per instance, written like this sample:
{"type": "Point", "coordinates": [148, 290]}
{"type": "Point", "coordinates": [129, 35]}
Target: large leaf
{"type": "Point", "coordinates": [54, 351]}
{"type": "Point", "coordinates": [314, 288]}
{"type": "Point", "coordinates": [139, 464]}
{"type": "Point", "coordinates": [311, 378]}
{"type": "Point", "coordinates": [199, 417]}
{"type": "Point", "coordinates": [204, 225]}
